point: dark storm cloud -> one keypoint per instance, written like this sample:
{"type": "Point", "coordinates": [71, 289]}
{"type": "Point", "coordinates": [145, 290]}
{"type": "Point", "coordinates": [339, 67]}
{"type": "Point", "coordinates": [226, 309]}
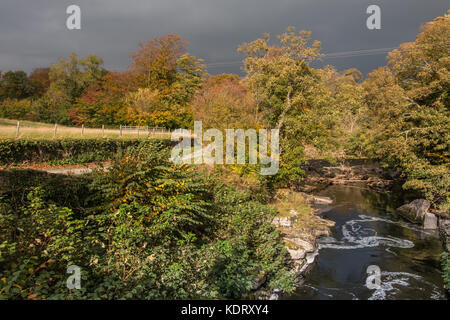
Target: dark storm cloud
{"type": "Point", "coordinates": [33, 33]}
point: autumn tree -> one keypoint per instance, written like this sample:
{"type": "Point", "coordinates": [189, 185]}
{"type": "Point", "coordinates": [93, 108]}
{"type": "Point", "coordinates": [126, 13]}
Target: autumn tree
{"type": "Point", "coordinates": [289, 94]}
{"type": "Point", "coordinates": [18, 109]}
{"type": "Point", "coordinates": [104, 102]}
{"type": "Point", "coordinates": [144, 104]}
{"type": "Point", "coordinates": [279, 75]}
{"type": "Point", "coordinates": [41, 78]}
{"type": "Point", "coordinates": [346, 96]}
{"type": "Point", "coordinates": [422, 66]}
{"type": "Point", "coordinates": [156, 60]}
{"type": "Point", "coordinates": [224, 102]}
{"type": "Point", "coordinates": [115, 85]}
{"type": "Point", "coordinates": [408, 112]}
{"type": "Point", "coordinates": [168, 78]}
{"type": "Point", "coordinates": [16, 85]}
{"type": "Point", "coordinates": [70, 77]}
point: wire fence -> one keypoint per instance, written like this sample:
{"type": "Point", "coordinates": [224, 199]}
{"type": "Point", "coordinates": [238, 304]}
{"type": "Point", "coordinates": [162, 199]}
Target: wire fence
{"type": "Point", "coordinates": [25, 130]}
{"type": "Point", "coordinates": [143, 129]}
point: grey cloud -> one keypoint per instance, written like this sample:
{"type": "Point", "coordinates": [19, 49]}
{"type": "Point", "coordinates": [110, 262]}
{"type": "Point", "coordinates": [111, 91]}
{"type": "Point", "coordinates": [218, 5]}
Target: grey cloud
{"type": "Point", "coordinates": [33, 33]}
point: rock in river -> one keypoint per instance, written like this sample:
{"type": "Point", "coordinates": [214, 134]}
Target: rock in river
{"type": "Point", "coordinates": [430, 221]}
{"type": "Point", "coordinates": [415, 211]}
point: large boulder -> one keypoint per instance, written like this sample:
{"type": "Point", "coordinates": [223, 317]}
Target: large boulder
{"type": "Point", "coordinates": [415, 211]}
{"type": "Point", "coordinates": [430, 221]}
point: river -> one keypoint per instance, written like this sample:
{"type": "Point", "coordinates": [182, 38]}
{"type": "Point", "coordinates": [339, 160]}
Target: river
{"type": "Point", "coordinates": [369, 232]}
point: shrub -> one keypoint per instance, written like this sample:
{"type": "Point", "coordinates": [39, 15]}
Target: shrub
{"type": "Point", "coordinates": [144, 229]}
{"type": "Point", "coordinates": [17, 109]}
{"type": "Point", "coordinates": [77, 150]}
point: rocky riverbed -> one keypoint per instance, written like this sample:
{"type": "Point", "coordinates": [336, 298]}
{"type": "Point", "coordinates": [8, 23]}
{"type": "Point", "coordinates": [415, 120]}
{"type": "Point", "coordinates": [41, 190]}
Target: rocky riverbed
{"type": "Point", "coordinates": [370, 232]}
{"type": "Point", "coordinates": [302, 237]}
{"type": "Point", "coordinates": [322, 173]}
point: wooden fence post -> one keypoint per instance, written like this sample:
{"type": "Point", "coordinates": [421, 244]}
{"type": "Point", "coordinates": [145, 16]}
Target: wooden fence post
{"type": "Point", "coordinates": [54, 132]}
{"type": "Point", "coordinates": [17, 129]}
{"type": "Point", "coordinates": [121, 130]}
{"type": "Point", "coordinates": [82, 129]}
{"type": "Point", "coordinates": [103, 130]}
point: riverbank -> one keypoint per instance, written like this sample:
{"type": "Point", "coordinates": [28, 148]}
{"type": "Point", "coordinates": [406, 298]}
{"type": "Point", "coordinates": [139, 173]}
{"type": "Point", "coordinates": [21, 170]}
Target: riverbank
{"type": "Point", "coordinates": [300, 228]}
{"type": "Point", "coordinates": [299, 224]}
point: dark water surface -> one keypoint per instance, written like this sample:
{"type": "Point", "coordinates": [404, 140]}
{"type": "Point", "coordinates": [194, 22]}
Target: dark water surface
{"type": "Point", "coordinates": [369, 232]}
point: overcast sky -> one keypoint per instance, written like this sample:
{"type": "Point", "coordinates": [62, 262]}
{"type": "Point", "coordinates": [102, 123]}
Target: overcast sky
{"type": "Point", "coordinates": [33, 33]}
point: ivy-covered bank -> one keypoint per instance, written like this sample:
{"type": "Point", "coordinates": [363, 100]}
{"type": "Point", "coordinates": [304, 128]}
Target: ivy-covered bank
{"type": "Point", "coordinates": [144, 229]}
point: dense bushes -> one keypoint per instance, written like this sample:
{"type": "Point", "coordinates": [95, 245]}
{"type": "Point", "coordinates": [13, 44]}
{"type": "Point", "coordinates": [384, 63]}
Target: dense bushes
{"type": "Point", "coordinates": [17, 109]}
{"type": "Point", "coordinates": [76, 150]}
{"type": "Point", "coordinates": [145, 229]}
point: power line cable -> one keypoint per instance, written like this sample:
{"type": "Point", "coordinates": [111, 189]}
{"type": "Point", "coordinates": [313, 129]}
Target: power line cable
{"type": "Point", "coordinates": [343, 54]}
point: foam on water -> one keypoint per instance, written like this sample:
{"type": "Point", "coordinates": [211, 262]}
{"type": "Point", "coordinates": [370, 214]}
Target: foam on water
{"type": "Point", "coordinates": [395, 282]}
{"type": "Point", "coordinates": [402, 224]}
{"type": "Point", "coordinates": [392, 283]}
{"type": "Point", "coordinates": [356, 236]}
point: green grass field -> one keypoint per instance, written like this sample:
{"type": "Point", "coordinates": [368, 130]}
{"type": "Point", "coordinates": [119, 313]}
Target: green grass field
{"type": "Point", "coordinates": [39, 130]}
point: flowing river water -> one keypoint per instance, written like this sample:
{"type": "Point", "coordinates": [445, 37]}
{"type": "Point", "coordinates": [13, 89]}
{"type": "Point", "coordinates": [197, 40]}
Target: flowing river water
{"type": "Point", "coordinates": [369, 232]}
